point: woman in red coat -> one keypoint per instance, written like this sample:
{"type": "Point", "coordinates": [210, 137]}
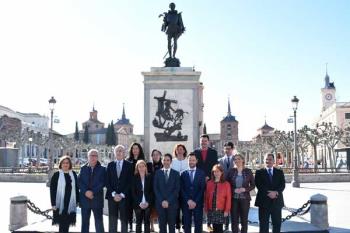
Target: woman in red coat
{"type": "Point", "coordinates": [217, 199]}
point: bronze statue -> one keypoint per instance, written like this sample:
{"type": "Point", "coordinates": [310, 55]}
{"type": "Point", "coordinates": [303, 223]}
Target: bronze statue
{"type": "Point", "coordinates": [173, 27]}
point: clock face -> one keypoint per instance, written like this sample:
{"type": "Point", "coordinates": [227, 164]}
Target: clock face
{"type": "Point", "coordinates": [328, 96]}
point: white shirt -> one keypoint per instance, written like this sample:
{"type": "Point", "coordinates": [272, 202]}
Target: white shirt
{"type": "Point", "coordinates": [120, 162]}
{"type": "Point", "coordinates": [180, 165]}
{"type": "Point", "coordinates": [116, 167]}
{"type": "Point", "coordinates": [143, 190]}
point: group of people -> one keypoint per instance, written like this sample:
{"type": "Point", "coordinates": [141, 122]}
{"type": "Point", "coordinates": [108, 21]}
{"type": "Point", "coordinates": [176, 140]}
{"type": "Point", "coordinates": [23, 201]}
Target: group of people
{"type": "Point", "coordinates": [178, 189]}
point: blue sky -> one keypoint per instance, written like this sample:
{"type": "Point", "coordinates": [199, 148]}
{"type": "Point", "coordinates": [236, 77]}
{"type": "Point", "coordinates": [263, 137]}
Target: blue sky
{"type": "Point", "coordinates": [259, 53]}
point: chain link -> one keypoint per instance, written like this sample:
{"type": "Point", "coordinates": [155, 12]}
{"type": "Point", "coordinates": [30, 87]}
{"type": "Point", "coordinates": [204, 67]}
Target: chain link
{"type": "Point", "coordinates": [299, 212]}
{"type": "Point", "coordinates": [32, 207]}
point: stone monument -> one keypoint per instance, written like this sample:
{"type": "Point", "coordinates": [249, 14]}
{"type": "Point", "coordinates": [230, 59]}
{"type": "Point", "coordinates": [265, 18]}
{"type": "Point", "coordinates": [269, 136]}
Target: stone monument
{"type": "Point", "coordinates": [173, 102]}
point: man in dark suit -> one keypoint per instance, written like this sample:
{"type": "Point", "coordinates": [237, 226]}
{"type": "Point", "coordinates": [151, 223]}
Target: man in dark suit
{"type": "Point", "coordinates": [192, 192]}
{"type": "Point", "coordinates": [91, 182]}
{"type": "Point", "coordinates": [166, 187]}
{"type": "Point", "coordinates": [226, 162]}
{"type": "Point", "coordinates": [207, 157]}
{"type": "Point", "coordinates": [270, 183]}
{"type": "Point", "coordinates": [119, 174]}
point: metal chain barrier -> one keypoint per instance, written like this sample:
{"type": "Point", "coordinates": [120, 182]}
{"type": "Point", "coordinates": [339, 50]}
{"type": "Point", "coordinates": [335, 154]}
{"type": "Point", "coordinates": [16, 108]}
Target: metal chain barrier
{"type": "Point", "coordinates": [32, 207]}
{"type": "Point", "coordinates": [298, 212]}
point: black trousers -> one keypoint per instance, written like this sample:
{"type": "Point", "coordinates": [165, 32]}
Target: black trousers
{"type": "Point", "coordinates": [63, 227]}
{"type": "Point", "coordinates": [264, 216]}
{"type": "Point", "coordinates": [143, 216]}
{"type": "Point", "coordinates": [117, 209]}
{"type": "Point", "coordinates": [179, 220]}
{"type": "Point", "coordinates": [218, 228]}
{"type": "Point", "coordinates": [239, 213]}
{"type": "Point", "coordinates": [167, 218]}
{"type": "Point", "coordinates": [130, 210]}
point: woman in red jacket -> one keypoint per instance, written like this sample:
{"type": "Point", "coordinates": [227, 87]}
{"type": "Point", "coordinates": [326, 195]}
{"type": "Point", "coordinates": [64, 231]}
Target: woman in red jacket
{"type": "Point", "coordinates": [217, 198]}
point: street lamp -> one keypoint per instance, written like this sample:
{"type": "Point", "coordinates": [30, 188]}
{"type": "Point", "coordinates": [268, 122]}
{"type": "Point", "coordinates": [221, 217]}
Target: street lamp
{"type": "Point", "coordinates": [295, 181]}
{"type": "Point", "coordinates": [52, 103]}
{"type": "Point", "coordinates": [30, 147]}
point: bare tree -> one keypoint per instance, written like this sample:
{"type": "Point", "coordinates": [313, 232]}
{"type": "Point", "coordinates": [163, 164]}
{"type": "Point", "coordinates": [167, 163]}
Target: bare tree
{"type": "Point", "coordinates": [314, 137]}
{"type": "Point", "coordinates": [331, 135]}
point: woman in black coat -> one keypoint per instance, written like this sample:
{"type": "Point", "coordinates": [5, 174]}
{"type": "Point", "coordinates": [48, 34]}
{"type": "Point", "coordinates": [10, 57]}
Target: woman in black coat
{"type": "Point", "coordinates": [142, 193]}
{"type": "Point", "coordinates": [64, 193]}
{"type": "Point", "coordinates": [135, 154]}
{"type": "Point", "coordinates": [152, 167]}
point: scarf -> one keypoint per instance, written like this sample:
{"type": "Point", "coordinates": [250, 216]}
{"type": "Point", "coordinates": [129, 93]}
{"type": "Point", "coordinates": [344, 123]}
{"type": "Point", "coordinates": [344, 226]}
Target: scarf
{"type": "Point", "coordinates": [61, 187]}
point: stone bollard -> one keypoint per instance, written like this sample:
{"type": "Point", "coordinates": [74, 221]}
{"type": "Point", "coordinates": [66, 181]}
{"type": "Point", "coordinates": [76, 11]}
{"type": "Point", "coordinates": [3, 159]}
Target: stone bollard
{"type": "Point", "coordinates": [18, 212]}
{"type": "Point", "coordinates": [319, 211]}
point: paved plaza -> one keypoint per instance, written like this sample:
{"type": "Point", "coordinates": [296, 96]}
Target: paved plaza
{"type": "Point", "coordinates": [337, 193]}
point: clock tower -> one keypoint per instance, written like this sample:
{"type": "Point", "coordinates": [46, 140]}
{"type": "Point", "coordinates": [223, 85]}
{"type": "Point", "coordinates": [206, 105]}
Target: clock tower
{"type": "Point", "coordinates": [328, 93]}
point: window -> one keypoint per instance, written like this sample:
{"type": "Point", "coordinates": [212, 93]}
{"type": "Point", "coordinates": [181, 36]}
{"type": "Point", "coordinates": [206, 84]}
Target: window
{"type": "Point", "coordinates": [347, 115]}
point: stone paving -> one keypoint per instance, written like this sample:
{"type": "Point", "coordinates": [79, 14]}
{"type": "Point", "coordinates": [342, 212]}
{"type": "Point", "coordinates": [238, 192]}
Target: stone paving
{"type": "Point", "coordinates": [337, 193]}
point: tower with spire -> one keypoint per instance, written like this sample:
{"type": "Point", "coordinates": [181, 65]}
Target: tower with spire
{"type": "Point", "coordinates": [328, 92]}
{"type": "Point", "coordinates": [124, 124]}
{"type": "Point", "coordinates": [93, 123]}
{"type": "Point", "coordinates": [229, 127]}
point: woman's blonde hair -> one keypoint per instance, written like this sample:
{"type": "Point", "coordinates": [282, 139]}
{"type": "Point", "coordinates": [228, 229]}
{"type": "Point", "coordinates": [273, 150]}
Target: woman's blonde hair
{"type": "Point", "coordinates": [242, 157]}
{"type": "Point", "coordinates": [136, 172]}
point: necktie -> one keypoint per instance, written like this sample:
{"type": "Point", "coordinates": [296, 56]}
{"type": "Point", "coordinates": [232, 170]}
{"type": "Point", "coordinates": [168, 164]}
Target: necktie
{"type": "Point", "coordinates": [119, 169]}
{"type": "Point", "coordinates": [166, 176]}
{"type": "Point", "coordinates": [91, 178]}
{"type": "Point", "coordinates": [270, 174]}
{"type": "Point", "coordinates": [228, 163]}
{"type": "Point", "coordinates": [192, 175]}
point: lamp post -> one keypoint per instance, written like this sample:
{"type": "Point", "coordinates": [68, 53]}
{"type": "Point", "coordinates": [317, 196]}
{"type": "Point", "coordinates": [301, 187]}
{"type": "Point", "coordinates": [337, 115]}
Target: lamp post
{"type": "Point", "coordinates": [30, 147]}
{"type": "Point", "coordinates": [295, 181]}
{"type": "Point", "coordinates": [52, 103]}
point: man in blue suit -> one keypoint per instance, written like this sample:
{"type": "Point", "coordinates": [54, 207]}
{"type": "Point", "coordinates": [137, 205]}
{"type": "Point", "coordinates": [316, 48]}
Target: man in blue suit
{"type": "Point", "coordinates": [91, 182]}
{"type": "Point", "coordinates": [166, 187]}
{"type": "Point", "coordinates": [192, 192]}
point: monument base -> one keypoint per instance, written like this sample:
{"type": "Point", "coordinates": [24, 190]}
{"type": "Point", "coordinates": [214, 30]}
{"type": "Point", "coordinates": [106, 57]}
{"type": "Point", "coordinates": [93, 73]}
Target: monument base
{"type": "Point", "coordinates": [172, 62]}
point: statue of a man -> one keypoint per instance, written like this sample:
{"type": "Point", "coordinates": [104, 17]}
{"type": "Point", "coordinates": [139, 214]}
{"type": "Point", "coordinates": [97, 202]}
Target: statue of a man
{"type": "Point", "coordinates": [173, 27]}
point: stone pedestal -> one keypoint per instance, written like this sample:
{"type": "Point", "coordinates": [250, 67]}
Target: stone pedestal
{"type": "Point", "coordinates": [319, 211]}
{"type": "Point", "coordinates": [18, 213]}
{"type": "Point", "coordinates": [173, 102]}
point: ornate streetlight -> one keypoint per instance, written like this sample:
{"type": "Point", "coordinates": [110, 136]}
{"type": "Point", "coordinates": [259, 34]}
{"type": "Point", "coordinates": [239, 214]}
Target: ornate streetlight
{"type": "Point", "coordinates": [52, 103]}
{"type": "Point", "coordinates": [295, 181]}
{"type": "Point", "coordinates": [30, 147]}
